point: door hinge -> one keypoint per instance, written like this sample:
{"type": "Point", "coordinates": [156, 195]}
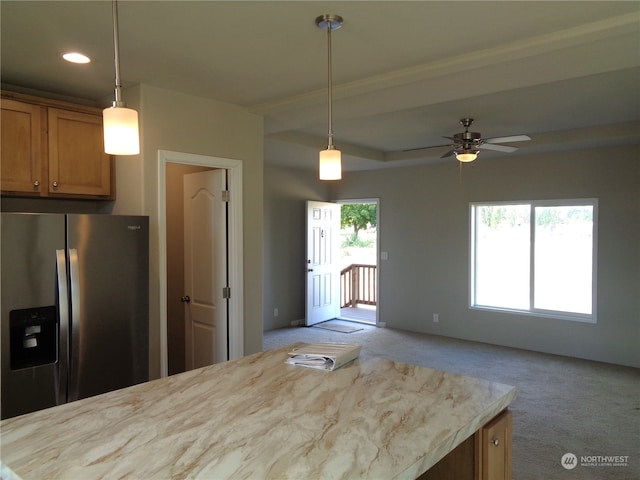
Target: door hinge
{"type": "Point", "coordinates": [226, 292]}
{"type": "Point", "coordinates": [226, 195]}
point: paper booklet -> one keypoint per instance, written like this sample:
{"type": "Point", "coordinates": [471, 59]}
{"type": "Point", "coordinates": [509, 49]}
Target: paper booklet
{"type": "Point", "coordinates": [324, 356]}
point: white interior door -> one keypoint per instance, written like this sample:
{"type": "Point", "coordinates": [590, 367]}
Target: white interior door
{"type": "Point", "coordinates": [323, 276]}
{"type": "Point", "coordinates": [205, 265]}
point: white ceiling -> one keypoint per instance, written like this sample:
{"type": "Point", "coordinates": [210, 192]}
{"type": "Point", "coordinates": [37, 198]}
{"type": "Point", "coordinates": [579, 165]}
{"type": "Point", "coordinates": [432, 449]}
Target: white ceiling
{"type": "Point", "coordinates": [404, 72]}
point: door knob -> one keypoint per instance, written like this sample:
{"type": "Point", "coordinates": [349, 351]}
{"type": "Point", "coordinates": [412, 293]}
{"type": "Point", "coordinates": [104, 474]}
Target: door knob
{"type": "Point", "coordinates": [309, 269]}
{"type": "Point", "coordinates": [185, 299]}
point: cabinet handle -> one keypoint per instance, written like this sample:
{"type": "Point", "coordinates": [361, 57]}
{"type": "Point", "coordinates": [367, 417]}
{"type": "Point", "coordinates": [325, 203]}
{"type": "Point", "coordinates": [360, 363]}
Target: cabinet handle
{"type": "Point", "coordinates": [495, 442]}
{"type": "Point", "coordinates": [55, 185]}
{"type": "Point", "coordinates": [36, 184]}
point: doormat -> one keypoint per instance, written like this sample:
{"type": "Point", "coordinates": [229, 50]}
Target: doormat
{"type": "Point", "coordinates": [338, 327]}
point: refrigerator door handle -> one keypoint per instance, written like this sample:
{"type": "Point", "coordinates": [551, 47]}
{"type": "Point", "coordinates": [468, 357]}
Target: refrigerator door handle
{"type": "Point", "coordinates": [63, 340]}
{"type": "Point", "coordinates": [74, 358]}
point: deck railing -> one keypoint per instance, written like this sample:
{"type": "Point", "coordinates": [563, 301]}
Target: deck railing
{"type": "Point", "coordinates": [358, 285]}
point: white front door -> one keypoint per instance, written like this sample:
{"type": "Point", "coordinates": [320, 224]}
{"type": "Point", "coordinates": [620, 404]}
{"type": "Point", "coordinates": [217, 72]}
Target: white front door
{"type": "Point", "coordinates": [205, 265]}
{"type": "Point", "coordinates": [323, 276]}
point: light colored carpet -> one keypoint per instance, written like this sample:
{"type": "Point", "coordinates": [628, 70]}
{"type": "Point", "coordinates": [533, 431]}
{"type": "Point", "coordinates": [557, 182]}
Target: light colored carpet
{"type": "Point", "coordinates": [339, 326]}
{"type": "Point", "coordinates": [564, 405]}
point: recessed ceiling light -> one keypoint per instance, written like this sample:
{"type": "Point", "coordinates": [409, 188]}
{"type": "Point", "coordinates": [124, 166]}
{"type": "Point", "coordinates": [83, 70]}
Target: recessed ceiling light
{"type": "Point", "coordinates": [75, 57]}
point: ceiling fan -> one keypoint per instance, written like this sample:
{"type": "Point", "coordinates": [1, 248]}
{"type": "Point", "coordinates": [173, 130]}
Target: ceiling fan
{"type": "Point", "coordinates": [467, 145]}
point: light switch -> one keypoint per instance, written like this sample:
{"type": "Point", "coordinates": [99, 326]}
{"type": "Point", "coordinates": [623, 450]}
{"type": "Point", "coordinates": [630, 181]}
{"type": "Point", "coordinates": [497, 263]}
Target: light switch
{"type": "Point", "coordinates": [384, 256]}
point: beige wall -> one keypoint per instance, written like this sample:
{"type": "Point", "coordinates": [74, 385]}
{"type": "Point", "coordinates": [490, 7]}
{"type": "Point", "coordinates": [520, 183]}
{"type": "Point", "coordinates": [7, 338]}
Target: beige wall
{"type": "Point", "coordinates": [286, 191]}
{"type": "Point", "coordinates": [183, 123]}
{"type": "Point", "coordinates": [424, 227]}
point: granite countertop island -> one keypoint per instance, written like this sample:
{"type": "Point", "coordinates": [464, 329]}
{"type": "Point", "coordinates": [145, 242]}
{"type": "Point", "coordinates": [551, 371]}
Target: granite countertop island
{"type": "Point", "coordinates": [256, 418]}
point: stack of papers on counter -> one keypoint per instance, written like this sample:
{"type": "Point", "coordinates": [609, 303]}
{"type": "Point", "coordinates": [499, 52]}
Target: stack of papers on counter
{"type": "Point", "coordinates": [324, 356]}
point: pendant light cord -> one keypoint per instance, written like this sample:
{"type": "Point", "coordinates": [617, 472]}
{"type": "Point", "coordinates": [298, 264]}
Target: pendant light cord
{"type": "Point", "coordinates": [330, 92]}
{"type": "Point", "coordinates": [116, 48]}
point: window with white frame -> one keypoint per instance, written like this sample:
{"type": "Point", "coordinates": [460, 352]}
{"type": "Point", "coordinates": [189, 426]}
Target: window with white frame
{"type": "Point", "coordinates": [535, 257]}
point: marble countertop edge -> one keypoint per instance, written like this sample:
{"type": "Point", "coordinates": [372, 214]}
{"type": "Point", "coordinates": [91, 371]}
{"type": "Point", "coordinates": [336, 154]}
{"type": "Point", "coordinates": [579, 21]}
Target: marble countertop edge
{"type": "Point", "coordinates": [429, 459]}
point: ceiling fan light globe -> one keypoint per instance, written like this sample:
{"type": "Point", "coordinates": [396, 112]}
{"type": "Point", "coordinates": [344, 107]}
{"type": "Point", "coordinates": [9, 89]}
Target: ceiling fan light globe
{"type": "Point", "coordinates": [467, 155]}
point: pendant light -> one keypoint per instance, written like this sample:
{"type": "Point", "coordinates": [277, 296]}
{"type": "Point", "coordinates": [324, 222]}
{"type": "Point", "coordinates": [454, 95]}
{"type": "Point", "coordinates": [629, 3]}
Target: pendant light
{"type": "Point", "coordinates": [120, 123]}
{"type": "Point", "coordinates": [331, 158]}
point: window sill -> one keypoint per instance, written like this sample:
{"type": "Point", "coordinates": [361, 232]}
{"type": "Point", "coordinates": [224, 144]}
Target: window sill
{"type": "Point", "coordinates": [540, 313]}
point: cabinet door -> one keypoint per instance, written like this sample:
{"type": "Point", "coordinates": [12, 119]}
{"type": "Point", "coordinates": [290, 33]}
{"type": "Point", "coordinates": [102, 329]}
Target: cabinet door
{"type": "Point", "coordinates": [21, 147]}
{"type": "Point", "coordinates": [459, 464]}
{"type": "Point", "coordinates": [496, 448]}
{"type": "Point", "coordinates": [77, 162]}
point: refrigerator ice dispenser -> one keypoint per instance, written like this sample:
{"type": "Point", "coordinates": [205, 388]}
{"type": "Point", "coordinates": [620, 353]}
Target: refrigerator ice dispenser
{"type": "Point", "coordinates": [34, 337]}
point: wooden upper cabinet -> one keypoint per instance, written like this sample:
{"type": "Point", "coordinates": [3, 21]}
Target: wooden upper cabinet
{"type": "Point", "coordinates": [53, 149]}
{"type": "Point", "coordinates": [21, 147]}
{"type": "Point", "coordinates": [76, 165]}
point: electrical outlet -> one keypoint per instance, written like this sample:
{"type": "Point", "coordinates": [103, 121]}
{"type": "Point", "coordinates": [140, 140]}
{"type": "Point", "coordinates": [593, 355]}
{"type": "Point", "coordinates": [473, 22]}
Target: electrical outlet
{"type": "Point", "coordinates": [275, 312]}
{"type": "Point", "coordinates": [436, 318]}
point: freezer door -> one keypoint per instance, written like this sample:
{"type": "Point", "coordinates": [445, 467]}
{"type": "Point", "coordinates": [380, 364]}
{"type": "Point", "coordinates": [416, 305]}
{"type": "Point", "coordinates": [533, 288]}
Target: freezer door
{"type": "Point", "coordinates": [109, 287]}
{"type": "Point", "coordinates": [33, 363]}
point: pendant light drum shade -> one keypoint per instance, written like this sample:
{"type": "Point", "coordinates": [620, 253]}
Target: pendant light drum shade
{"type": "Point", "coordinates": [330, 164]}
{"type": "Point", "coordinates": [120, 131]}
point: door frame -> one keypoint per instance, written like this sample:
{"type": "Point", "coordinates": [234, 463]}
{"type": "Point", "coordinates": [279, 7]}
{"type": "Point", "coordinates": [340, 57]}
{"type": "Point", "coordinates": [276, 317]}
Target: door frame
{"type": "Point", "coordinates": [235, 243]}
{"type": "Point", "coordinates": [377, 202]}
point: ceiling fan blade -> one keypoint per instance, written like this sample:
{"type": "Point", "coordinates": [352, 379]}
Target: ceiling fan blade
{"type": "Point", "coordinates": [498, 148]}
{"type": "Point", "coordinates": [512, 138]}
{"type": "Point", "coordinates": [448, 154]}
{"type": "Point", "coordinates": [424, 148]}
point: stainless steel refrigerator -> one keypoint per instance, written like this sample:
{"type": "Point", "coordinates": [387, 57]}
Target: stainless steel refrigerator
{"type": "Point", "coordinates": [75, 303]}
